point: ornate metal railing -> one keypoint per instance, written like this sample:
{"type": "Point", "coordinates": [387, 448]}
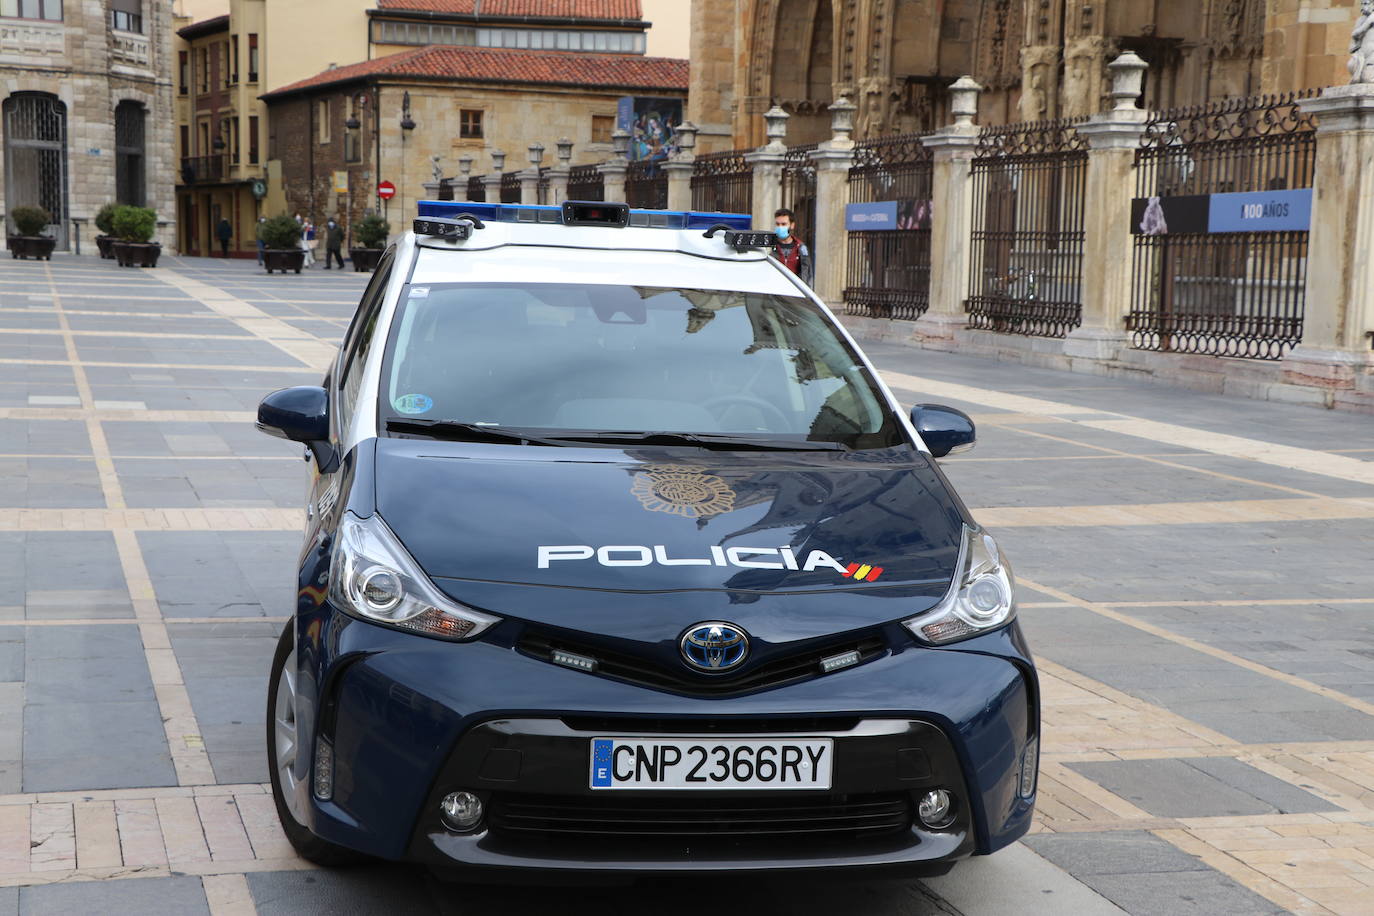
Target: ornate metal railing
{"type": "Point", "coordinates": [799, 190]}
{"type": "Point", "coordinates": [889, 268]}
{"type": "Point", "coordinates": [646, 185]}
{"type": "Point", "coordinates": [585, 182]}
{"type": "Point", "coordinates": [446, 188]}
{"type": "Point", "coordinates": [476, 190]}
{"type": "Point", "coordinates": [510, 187]}
{"type": "Point", "coordinates": [1236, 294]}
{"type": "Point", "coordinates": [202, 168]}
{"type": "Point", "coordinates": [723, 182]}
{"type": "Point", "coordinates": [1026, 268]}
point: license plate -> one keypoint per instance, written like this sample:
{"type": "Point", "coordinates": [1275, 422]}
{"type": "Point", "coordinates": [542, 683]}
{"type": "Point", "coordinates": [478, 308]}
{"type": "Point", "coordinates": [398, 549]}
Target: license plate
{"type": "Point", "coordinates": [711, 763]}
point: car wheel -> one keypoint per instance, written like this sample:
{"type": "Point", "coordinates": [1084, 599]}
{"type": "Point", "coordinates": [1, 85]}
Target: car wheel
{"type": "Point", "coordinates": [283, 746]}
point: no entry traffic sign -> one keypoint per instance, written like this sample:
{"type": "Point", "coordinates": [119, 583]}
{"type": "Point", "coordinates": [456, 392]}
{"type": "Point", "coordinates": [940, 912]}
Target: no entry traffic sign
{"type": "Point", "coordinates": [386, 190]}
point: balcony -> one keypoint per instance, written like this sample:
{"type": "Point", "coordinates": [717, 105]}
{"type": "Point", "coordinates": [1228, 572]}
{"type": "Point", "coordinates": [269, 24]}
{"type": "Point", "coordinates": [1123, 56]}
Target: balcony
{"type": "Point", "coordinates": [203, 169]}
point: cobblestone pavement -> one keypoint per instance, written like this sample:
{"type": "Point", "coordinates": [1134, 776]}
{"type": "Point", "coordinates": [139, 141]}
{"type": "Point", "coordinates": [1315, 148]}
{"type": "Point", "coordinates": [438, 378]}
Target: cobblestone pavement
{"type": "Point", "coordinates": [1196, 579]}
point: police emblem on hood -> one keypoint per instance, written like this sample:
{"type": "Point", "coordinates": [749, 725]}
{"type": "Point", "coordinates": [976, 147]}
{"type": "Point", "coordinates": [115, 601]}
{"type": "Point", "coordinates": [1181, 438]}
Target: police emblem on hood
{"type": "Point", "coordinates": [682, 490]}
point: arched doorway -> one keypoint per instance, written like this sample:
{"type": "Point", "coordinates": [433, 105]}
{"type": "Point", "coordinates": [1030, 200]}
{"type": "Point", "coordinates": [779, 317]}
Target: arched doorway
{"type": "Point", "coordinates": [130, 185]}
{"type": "Point", "coordinates": [36, 157]}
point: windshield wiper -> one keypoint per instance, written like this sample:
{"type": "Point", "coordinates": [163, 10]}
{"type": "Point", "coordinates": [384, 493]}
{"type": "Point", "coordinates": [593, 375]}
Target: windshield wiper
{"type": "Point", "coordinates": [453, 429]}
{"type": "Point", "coordinates": [722, 442]}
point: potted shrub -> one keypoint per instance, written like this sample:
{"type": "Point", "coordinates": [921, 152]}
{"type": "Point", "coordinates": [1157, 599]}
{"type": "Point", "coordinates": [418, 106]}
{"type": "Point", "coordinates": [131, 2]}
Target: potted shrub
{"type": "Point", "coordinates": [281, 238]}
{"type": "Point", "coordinates": [133, 229]}
{"type": "Point", "coordinates": [30, 242]}
{"type": "Point", "coordinates": [371, 234]}
{"type": "Point", "coordinates": [104, 221]}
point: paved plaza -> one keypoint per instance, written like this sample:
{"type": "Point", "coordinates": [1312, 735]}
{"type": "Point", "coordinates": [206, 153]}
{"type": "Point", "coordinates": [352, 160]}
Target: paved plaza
{"type": "Point", "coordinates": [1197, 581]}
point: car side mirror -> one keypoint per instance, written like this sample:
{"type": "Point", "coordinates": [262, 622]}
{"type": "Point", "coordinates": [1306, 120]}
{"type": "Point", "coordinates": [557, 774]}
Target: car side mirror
{"type": "Point", "coordinates": [300, 414]}
{"type": "Point", "coordinates": [943, 429]}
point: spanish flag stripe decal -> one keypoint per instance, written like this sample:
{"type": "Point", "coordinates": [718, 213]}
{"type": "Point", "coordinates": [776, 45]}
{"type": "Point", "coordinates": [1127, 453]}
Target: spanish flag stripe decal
{"type": "Point", "coordinates": [877, 571]}
{"type": "Point", "coordinates": [850, 571]}
{"type": "Point", "coordinates": [863, 571]}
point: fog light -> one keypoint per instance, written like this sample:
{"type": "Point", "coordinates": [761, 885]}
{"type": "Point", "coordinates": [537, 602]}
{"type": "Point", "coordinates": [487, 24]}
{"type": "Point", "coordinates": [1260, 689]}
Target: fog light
{"type": "Point", "coordinates": [1030, 765]}
{"type": "Point", "coordinates": [324, 769]}
{"type": "Point", "coordinates": [461, 810]}
{"type": "Point", "coordinates": [936, 809]}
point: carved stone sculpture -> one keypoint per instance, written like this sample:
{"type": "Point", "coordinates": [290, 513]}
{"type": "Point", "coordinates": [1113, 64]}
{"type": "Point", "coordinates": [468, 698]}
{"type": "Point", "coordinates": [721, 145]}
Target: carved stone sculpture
{"type": "Point", "coordinates": [1361, 64]}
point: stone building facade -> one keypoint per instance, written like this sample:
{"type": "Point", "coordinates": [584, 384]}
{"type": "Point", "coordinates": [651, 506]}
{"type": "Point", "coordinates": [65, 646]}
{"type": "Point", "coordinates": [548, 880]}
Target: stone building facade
{"type": "Point", "coordinates": [87, 110]}
{"type": "Point", "coordinates": [221, 128]}
{"type": "Point", "coordinates": [1036, 59]}
{"type": "Point", "coordinates": [463, 102]}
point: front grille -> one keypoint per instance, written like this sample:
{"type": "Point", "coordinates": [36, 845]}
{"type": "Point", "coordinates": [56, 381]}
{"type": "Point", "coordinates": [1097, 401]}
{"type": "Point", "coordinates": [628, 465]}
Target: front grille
{"type": "Point", "coordinates": [679, 679]}
{"type": "Point", "coordinates": [719, 817]}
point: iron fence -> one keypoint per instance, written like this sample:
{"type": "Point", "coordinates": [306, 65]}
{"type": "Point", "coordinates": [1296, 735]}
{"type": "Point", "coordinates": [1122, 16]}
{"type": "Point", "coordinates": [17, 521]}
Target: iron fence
{"type": "Point", "coordinates": [799, 191]}
{"type": "Point", "coordinates": [543, 188]}
{"type": "Point", "coordinates": [723, 182]}
{"type": "Point", "coordinates": [646, 185]}
{"type": "Point", "coordinates": [1238, 294]}
{"type": "Point", "coordinates": [585, 182]}
{"type": "Point", "coordinates": [510, 187]}
{"type": "Point", "coordinates": [1026, 271]}
{"type": "Point", "coordinates": [889, 269]}
{"type": "Point", "coordinates": [477, 192]}
{"type": "Point", "coordinates": [445, 189]}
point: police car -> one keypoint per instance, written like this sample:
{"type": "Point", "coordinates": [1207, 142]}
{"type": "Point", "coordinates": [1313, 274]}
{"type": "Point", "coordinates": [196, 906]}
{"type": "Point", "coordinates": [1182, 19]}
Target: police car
{"type": "Point", "coordinates": [620, 557]}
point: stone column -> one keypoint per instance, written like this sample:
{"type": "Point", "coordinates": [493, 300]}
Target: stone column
{"type": "Point", "coordinates": [1109, 186]}
{"type": "Point", "coordinates": [767, 163]}
{"type": "Point", "coordinates": [951, 218]}
{"type": "Point", "coordinates": [558, 177]}
{"type": "Point", "coordinates": [833, 159]}
{"type": "Point", "coordinates": [529, 178]}
{"type": "Point", "coordinates": [679, 168]}
{"type": "Point", "coordinates": [491, 182]}
{"type": "Point", "coordinates": [1339, 313]}
{"type": "Point", "coordinates": [613, 174]}
{"type": "Point", "coordinates": [460, 190]}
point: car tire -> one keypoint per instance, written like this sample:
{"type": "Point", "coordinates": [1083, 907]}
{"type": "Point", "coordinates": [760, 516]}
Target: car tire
{"type": "Point", "coordinates": [307, 845]}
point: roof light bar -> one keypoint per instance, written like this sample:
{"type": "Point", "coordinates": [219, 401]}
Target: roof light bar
{"type": "Point", "coordinates": [547, 215]}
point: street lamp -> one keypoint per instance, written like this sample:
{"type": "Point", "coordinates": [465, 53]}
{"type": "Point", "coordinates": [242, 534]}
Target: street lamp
{"type": "Point", "coordinates": [536, 151]}
{"type": "Point", "coordinates": [407, 123]}
{"type": "Point", "coordinates": [564, 152]}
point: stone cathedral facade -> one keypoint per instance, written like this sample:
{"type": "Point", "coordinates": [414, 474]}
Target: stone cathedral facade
{"type": "Point", "coordinates": [1036, 59]}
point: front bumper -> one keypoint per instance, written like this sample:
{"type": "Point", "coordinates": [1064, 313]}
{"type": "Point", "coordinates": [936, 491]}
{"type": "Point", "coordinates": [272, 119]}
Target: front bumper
{"type": "Point", "coordinates": [410, 719]}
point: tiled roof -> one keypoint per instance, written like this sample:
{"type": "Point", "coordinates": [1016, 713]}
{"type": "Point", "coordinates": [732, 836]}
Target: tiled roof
{"type": "Point", "coordinates": [205, 27]}
{"type": "Point", "coordinates": [544, 9]}
{"type": "Point", "coordinates": [500, 65]}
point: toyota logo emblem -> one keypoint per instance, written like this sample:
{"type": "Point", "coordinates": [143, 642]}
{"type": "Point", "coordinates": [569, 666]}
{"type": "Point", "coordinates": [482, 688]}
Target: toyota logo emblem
{"type": "Point", "coordinates": [714, 647]}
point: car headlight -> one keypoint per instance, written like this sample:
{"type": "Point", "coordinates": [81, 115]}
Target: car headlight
{"type": "Point", "coordinates": [982, 596]}
{"type": "Point", "coordinates": [372, 576]}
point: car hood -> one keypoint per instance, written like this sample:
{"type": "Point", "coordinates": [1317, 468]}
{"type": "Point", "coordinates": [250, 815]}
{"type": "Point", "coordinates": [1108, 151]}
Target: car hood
{"type": "Point", "coordinates": [596, 530]}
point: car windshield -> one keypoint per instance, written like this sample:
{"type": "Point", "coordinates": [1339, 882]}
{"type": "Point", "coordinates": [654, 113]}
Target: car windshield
{"type": "Point", "coordinates": [607, 358]}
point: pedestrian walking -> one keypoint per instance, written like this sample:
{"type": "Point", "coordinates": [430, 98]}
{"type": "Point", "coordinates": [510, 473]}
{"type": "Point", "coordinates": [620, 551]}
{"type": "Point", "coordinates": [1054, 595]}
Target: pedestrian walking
{"type": "Point", "coordinates": [789, 249]}
{"type": "Point", "coordinates": [333, 244]}
{"type": "Point", "coordinates": [224, 232]}
{"type": "Point", "coordinates": [307, 235]}
{"type": "Point", "coordinates": [262, 244]}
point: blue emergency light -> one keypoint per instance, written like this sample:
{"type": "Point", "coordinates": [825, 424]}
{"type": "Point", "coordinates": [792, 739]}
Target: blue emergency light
{"type": "Point", "coordinates": [583, 213]}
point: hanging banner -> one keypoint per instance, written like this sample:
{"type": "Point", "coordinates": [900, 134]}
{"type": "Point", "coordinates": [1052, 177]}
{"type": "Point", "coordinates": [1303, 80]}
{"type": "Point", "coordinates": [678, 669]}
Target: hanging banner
{"type": "Point", "coordinates": [1242, 211]}
{"type": "Point", "coordinates": [883, 215]}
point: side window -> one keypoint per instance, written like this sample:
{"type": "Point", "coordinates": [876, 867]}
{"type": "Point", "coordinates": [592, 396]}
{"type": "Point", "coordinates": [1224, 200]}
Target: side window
{"type": "Point", "coordinates": [359, 341]}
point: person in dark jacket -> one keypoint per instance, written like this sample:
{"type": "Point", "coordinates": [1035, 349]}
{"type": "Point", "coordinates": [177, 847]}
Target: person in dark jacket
{"type": "Point", "coordinates": [789, 249]}
{"type": "Point", "coordinates": [224, 232]}
{"type": "Point", "coordinates": [333, 244]}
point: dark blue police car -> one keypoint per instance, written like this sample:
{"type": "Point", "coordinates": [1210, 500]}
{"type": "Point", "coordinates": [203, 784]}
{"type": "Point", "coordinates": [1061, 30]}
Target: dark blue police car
{"type": "Point", "coordinates": [621, 558]}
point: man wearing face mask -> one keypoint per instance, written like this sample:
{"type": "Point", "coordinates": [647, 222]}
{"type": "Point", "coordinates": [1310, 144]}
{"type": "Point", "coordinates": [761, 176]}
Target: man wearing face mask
{"type": "Point", "coordinates": [788, 248]}
{"type": "Point", "coordinates": [333, 244]}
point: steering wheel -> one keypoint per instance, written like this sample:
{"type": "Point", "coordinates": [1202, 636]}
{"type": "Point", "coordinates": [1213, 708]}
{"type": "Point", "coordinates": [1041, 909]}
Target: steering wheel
{"type": "Point", "coordinates": [721, 404]}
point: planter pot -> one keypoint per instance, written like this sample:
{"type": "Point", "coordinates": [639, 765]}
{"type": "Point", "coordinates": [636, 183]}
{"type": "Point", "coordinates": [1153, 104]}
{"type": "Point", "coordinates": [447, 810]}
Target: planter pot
{"type": "Point", "coordinates": [135, 254]}
{"type": "Point", "coordinates": [364, 258]}
{"type": "Point", "coordinates": [32, 246]}
{"type": "Point", "coordinates": [283, 259]}
{"type": "Point", "coordinates": [103, 243]}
